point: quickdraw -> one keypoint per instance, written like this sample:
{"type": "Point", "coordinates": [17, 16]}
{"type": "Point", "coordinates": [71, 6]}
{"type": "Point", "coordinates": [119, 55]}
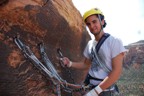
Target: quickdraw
{"type": "Point", "coordinates": [48, 68]}
{"type": "Point", "coordinates": [60, 55]}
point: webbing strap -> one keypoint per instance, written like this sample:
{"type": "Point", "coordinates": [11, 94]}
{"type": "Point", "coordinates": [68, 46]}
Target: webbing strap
{"type": "Point", "coordinates": [96, 49]}
{"type": "Point", "coordinates": [102, 39]}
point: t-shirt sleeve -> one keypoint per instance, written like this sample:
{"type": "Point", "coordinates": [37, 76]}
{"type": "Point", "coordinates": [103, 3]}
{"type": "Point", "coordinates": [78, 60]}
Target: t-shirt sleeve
{"type": "Point", "coordinates": [87, 50]}
{"type": "Point", "coordinates": [117, 47]}
{"type": "Point", "coordinates": [85, 53]}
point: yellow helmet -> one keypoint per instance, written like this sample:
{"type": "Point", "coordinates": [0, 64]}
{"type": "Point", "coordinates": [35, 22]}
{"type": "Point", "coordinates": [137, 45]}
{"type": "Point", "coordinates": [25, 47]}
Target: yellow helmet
{"type": "Point", "coordinates": [92, 12]}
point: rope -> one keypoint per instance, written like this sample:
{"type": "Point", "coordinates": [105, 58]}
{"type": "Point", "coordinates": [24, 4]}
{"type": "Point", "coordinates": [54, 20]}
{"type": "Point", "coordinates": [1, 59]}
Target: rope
{"type": "Point", "coordinates": [49, 69]}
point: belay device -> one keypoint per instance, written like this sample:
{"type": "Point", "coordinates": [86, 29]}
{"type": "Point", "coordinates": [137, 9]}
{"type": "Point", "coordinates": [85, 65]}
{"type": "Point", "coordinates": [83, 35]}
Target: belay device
{"type": "Point", "coordinates": [48, 68]}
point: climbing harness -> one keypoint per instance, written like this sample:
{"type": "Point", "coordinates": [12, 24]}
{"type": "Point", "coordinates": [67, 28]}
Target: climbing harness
{"type": "Point", "coordinates": [48, 68]}
{"type": "Point", "coordinates": [95, 50]}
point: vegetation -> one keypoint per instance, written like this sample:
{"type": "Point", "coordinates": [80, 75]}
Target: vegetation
{"type": "Point", "coordinates": [131, 82]}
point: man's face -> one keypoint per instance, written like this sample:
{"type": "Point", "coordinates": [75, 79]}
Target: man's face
{"type": "Point", "coordinates": [94, 24]}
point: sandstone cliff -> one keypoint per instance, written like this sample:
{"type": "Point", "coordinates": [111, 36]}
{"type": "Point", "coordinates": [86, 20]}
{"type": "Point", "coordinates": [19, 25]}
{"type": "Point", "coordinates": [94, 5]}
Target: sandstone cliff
{"type": "Point", "coordinates": [55, 22]}
{"type": "Point", "coordinates": [135, 54]}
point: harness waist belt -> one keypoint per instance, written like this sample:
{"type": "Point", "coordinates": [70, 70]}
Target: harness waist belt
{"type": "Point", "coordinates": [90, 77]}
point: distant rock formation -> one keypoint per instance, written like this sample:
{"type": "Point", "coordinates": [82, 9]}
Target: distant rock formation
{"type": "Point", "coordinates": [57, 23]}
{"type": "Point", "coordinates": [135, 55]}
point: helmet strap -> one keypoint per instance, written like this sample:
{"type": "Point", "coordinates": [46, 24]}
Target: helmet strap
{"type": "Point", "coordinates": [100, 23]}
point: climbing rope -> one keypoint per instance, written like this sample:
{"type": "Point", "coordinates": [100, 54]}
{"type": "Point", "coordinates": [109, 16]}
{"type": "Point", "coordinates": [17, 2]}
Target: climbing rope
{"type": "Point", "coordinates": [49, 69]}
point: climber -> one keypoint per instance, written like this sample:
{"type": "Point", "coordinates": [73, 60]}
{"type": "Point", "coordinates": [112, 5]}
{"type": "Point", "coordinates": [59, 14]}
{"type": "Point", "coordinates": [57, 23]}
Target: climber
{"type": "Point", "coordinates": [103, 56]}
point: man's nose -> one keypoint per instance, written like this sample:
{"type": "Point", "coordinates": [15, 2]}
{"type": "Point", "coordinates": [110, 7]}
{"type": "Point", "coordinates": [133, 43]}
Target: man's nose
{"type": "Point", "coordinates": [91, 25]}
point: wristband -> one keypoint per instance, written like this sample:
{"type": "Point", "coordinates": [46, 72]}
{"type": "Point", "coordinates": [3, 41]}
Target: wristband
{"type": "Point", "coordinates": [91, 93]}
{"type": "Point", "coordinates": [98, 89]}
{"type": "Point", "coordinates": [70, 64]}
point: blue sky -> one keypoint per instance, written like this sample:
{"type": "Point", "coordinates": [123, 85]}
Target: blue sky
{"type": "Point", "coordinates": [125, 18]}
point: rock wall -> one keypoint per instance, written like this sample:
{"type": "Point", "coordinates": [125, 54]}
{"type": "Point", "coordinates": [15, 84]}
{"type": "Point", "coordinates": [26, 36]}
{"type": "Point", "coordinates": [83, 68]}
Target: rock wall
{"type": "Point", "coordinates": [135, 55]}
{"type": "Point", "coordinates": [58, 24]}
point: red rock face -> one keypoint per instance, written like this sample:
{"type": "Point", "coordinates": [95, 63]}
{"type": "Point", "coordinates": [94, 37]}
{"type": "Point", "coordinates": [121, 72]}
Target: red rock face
{"type": "Point", "coordinates": [57, 24]}
{"type": "Point", "coordinates": [135, 54]}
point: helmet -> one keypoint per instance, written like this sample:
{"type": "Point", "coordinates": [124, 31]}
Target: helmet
{"type": "Point", "coordinates": [92, 12]}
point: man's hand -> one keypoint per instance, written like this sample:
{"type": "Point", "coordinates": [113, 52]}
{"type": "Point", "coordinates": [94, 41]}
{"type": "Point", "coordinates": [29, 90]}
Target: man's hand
{"type": "Point", "coordinates": [66, 62]}
{"type": "Point", "coordinates": [91, 93]}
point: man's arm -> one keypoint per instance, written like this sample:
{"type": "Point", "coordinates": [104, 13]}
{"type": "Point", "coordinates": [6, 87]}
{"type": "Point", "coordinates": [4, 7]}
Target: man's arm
{"type": "Point", "coordinates": [111, 78]}
{"type": "Point", "coordinates": [114, 75]}
{"type": "Point", "coordinates": [84, 65]}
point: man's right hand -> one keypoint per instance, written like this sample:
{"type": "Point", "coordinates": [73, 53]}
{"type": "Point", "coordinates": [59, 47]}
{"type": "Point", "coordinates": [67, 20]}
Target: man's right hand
{"type": "Point", "coordinates": [66, 62]}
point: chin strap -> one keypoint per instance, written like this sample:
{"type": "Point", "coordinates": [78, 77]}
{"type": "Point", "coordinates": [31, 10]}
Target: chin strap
{"type": "Point", "coordinates": [100, 24]}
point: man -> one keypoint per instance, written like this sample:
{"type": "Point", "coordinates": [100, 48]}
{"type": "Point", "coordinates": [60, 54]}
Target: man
{"type": "Point", "coordinates": [104, 64]}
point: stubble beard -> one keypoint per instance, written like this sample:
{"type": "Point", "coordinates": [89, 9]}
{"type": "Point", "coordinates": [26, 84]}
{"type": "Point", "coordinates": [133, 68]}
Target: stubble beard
{"type": "Point", "coordinates": [96, 33]}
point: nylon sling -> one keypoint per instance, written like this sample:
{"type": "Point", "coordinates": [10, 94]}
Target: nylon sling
{"type": "Point", "coordinates": [102, 39]}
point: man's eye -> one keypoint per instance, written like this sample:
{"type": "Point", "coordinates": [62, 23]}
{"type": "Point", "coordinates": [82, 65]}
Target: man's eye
{"type": "Point", "coordinates": [94, 21]}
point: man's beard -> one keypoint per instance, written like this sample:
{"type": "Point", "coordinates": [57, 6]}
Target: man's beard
{"type": "Point", "coordinates": [96, 33]}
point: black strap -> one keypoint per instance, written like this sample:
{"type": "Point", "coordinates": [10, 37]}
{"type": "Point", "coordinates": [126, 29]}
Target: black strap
{"type": "Point", "coordinates": [89, 77]}
{"type": "Point", "coordinates": [102, 39]}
